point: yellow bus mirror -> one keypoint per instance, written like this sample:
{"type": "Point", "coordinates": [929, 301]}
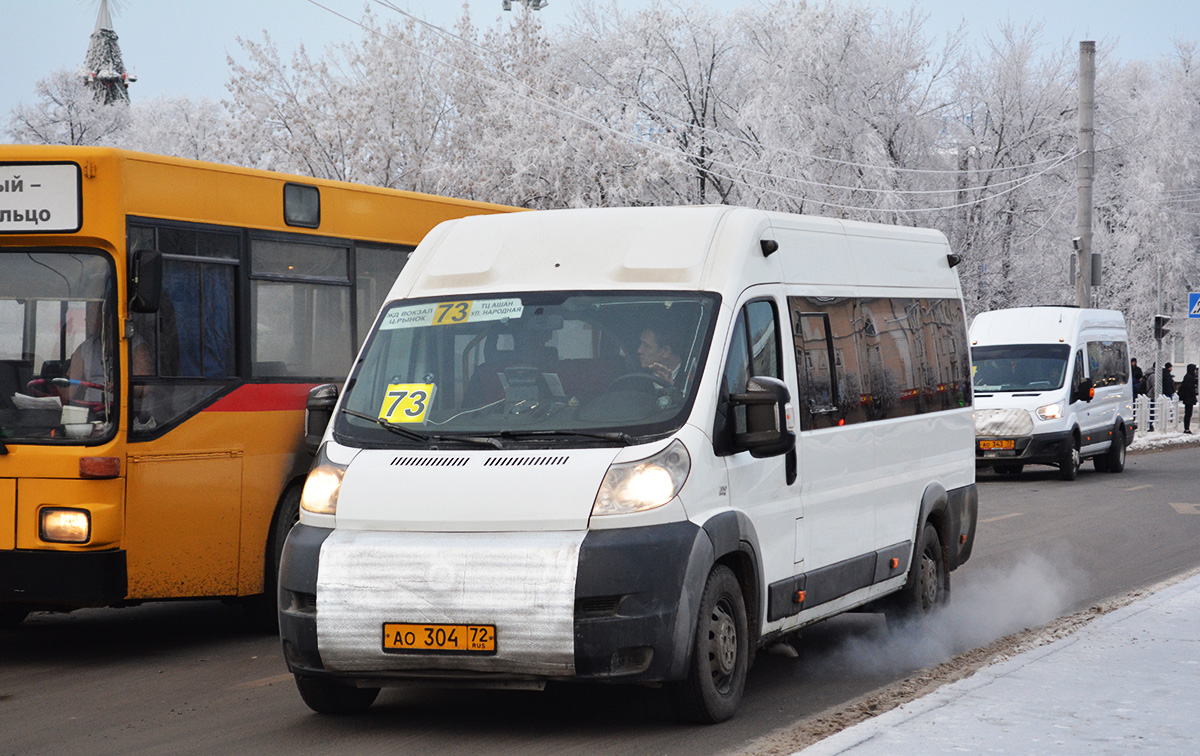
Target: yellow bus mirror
{"type": "Point", "coordinates": [145, 280]}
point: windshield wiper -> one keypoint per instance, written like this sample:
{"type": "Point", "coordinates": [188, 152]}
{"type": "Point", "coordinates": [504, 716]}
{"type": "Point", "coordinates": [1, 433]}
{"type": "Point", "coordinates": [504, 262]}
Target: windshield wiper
{"type": "Point", "coordinates": [621, 436]}
{"type": "Point", "coordinates": [424, 438]}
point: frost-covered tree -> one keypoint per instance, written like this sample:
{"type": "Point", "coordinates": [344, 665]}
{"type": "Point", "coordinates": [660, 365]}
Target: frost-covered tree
{"type": "Point", "coordinates": [66, 112]}
{"type": "Point", "coordinates": [845, 100]}
{"type": "Point", "coordinates": [1014, 126]}
{"type": "Point", "coordinates": [826, 108]}
{"type": "Point", "coordinates": [181, 127]}
{"type": "Point", "coordinates": [674, 74]}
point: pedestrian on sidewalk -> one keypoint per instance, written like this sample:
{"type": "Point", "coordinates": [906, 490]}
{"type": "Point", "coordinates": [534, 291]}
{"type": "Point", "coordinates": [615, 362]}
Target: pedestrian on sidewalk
{"type": "Point", "coordinates": [1135, 372]}
{"type": "Point", "coordinates": [1168, 381]}
{"type": "Point", "coordinates": [1187, 395]}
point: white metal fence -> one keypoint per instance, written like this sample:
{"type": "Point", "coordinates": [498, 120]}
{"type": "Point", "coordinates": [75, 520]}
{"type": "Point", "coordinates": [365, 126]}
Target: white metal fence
{"type": "Point", "coordinates": [1161, 415]}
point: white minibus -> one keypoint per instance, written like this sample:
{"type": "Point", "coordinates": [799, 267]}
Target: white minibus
{"type": "Point", "coordinates": [1052, 387]}
{"type": "Point", "coordinates": [631, 446]}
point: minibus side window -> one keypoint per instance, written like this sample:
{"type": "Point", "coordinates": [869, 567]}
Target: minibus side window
{"type": "Point", "coordinates": [1108, 363]}
{"type": "Point", "coordinates": [816, 361]}
{"type": "Point", "coordinates": [753, 351]}
{"type": "Point", "coordinates": [1077, 376]}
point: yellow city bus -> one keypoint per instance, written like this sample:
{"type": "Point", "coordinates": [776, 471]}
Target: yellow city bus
{"type": "Point", "coordinates": [161, 324]}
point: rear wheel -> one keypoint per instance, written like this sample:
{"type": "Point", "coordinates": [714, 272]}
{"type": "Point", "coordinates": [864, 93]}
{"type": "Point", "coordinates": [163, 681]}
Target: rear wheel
{"type": "Point", "coordinates": [928, 584]}
{"type": "Point", "coordinates": [329, 697]}
{"type": "Point", "coordinates": [1113, 460]}
{"type": "Point", "coordinates": [720, 653]}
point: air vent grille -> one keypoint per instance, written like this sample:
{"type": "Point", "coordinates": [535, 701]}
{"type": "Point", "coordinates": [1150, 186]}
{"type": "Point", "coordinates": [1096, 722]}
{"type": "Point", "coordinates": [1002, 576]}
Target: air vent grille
{"type": "Point", "coordinates": [429, 461]}
{"type": "Point", "coordinates": [541, 461]}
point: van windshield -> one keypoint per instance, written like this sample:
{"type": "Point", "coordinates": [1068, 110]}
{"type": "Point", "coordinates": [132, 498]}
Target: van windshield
{"type": "Point", "coordinates": [1020, 367]}
{"type": "Point", "coordinates": [538, 367]}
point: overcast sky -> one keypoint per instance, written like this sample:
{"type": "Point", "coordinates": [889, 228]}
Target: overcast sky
{"type": "Point", "coordinates": [179, 47]}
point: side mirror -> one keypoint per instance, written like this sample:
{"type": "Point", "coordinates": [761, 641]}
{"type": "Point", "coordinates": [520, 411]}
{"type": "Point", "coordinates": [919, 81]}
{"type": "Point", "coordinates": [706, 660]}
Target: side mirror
{"type": "Point", "coordinates": [145, 280]}
{"type": "Point", "coordinates": [317, 412]}
{"type": "Point", "coordinates": [767, 433]}
{"type": "Point", "coordinates": [1086, 391]}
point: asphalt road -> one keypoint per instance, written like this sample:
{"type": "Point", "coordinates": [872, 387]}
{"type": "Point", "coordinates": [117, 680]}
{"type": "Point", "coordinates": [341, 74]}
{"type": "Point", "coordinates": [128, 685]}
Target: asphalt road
{"type": "Point", "coordinates": [191, 678]}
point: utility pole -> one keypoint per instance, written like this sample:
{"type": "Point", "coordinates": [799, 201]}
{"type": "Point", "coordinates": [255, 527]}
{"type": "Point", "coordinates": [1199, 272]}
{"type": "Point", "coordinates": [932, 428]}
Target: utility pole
{"type": "Point", "coordinates": [1085, 164]}
{"type": "Point", "coordinates": [1158, 337]}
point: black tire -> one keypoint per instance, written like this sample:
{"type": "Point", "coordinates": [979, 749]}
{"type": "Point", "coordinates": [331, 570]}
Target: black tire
{"type": "Point", "coordinates": [720, 659]}
{"type": "Point", "coordinates": [264, 610]}
{"type": "Point", "coordinates": [1009, 468]}
{"type": "Point", "coordinates": [330, 697]}
{"type": "Point", "coordinates": [1069, 462]}
{"type": "Point", "coordinates": [928, 585]}
{"type": "Point", "coordinates": [12, 615]}
{"type": "Point", "coordinates": [1114, 458]}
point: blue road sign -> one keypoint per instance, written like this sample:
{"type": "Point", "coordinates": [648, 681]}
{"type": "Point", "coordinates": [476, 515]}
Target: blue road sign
{"type": "Point", "coordinates": [1194, 304]}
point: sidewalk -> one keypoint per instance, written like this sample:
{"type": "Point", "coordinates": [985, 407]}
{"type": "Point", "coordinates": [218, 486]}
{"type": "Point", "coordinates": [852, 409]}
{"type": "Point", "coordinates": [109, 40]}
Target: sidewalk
{"type": "Point", "coordinates": [1127, 682]}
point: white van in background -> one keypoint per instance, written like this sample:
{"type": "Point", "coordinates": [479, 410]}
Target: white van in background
{"type": "Point", "coordinates": [1052, 387]}
{"type": "Point", "coordinates": [631, 446]}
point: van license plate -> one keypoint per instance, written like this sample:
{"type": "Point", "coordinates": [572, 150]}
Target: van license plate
{"type": "Point", "coordinates": [402, 637]}
{"type": "Point", "coordinates": [1004, 444]}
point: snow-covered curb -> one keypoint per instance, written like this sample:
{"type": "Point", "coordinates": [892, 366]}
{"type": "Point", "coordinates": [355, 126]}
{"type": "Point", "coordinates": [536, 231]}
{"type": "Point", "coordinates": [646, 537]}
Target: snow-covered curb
{"type": "Point", "coordinates": [1156, 440]}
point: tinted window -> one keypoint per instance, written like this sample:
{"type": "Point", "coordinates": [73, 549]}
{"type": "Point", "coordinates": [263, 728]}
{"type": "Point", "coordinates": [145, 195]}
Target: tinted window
{"type": "Point", "coordinates": [1108, 363]}
{"type": "Point", "coordinates": [891, 357]}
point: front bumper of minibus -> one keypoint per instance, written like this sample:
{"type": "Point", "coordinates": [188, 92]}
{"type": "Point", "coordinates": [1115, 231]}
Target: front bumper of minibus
{"type": "Point", "coordinates": [621, 608]}
{"type": "Point", "coordinates": [1038, 449]}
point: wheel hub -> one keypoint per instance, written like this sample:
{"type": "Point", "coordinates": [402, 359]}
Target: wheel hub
{"type": "Point", "coordinates": [724, 641]}
{"type": "Point", "coordinates": [929, 583]}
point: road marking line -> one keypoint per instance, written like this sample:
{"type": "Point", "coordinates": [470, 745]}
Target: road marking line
{"type": "Point", "coordinates": [1003, 517]}
{"type": "Point", "coordinates": [264, 682]}
{"type": "Point", "coordinates": [1139, 488]}
{"type": "Point", "coordinates": [1186, 508]}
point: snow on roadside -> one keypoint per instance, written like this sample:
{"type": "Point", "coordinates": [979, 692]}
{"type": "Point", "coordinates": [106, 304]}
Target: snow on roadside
{"type": "Point", "coordinates": [1158, 440]}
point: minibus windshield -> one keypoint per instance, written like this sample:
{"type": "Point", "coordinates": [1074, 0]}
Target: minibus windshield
{"type": "Point", "coordinates": [1020, 367]}
{"type": "Point", "coordinates": [529, 368]}
{"type": "Point", "coordinates": [57, 347]}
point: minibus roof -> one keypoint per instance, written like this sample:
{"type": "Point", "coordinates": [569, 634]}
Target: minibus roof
{"type": "Point", "coordinates": [713, 248]}
{"type": "Point", "coordinates": [1045, 325]}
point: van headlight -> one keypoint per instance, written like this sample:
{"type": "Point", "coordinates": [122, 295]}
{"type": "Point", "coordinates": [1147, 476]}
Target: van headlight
{"type": "Point", "coordinates": [321, 488]}
{"type": "Point", "coordinates": [1050, 411]}
{"type": "Point", "coordinates": [645, 484]}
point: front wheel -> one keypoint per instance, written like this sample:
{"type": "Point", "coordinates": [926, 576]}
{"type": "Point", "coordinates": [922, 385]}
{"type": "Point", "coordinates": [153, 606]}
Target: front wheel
{"type": "Point", "coordinates": [329, 697]}
{"type": "Point", "coordinates": [1068, 464]}
{"type": "Point", "coordinates": [720, 654]}
{"type": "Point", "coordinates": [12, 615]}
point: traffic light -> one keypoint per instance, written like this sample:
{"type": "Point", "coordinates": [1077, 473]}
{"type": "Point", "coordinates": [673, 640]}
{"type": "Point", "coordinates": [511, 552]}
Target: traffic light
{"type": "Point", "coordinates": [1160, 326]}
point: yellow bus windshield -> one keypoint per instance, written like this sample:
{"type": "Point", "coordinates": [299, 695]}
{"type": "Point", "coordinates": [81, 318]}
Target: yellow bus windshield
{"type": "Point", "coordinates": [57, 347]}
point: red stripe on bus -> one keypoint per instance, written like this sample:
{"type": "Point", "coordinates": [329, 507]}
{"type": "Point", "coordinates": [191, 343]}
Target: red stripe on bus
{"type": "Point", "coordinates": [263, 397]}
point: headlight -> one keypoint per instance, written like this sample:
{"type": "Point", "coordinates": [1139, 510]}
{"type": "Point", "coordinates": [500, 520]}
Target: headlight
{"type": "Point", "coordinates": [1050, 411]}
{"type": "Point", "coordinates": [321, 489]}
{"type": "Point", "coordinates": [645, 484]}
{"type": "Point", "coordinates": [65, 525]}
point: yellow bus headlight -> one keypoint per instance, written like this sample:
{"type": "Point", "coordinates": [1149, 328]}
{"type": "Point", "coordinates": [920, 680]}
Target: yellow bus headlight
{"type": "Point", "coordinates": [59, 525]}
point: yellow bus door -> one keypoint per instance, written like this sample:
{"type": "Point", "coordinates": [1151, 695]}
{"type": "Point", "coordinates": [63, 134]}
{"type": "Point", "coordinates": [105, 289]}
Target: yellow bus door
{"type": "Point", "coordinates": [183, 521]}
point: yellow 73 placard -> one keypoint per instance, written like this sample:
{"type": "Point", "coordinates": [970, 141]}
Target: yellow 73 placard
{"type": "Point", "coordinates": [406, 402]}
